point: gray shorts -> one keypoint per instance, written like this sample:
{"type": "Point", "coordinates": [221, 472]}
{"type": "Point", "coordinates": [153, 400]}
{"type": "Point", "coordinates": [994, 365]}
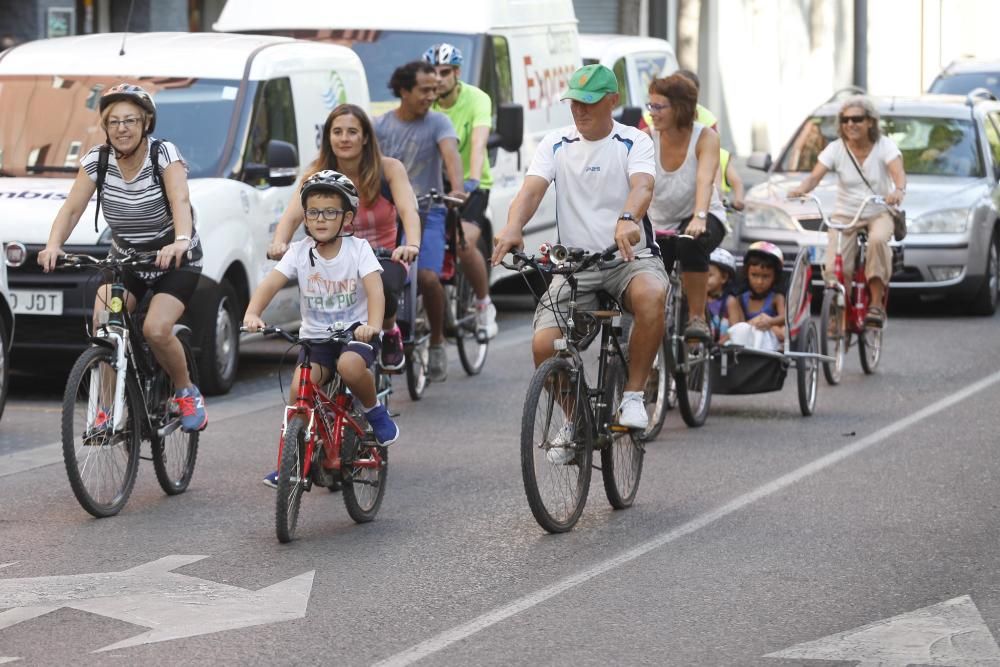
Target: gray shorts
{"type": "Point", "coordinates": [613, 280]}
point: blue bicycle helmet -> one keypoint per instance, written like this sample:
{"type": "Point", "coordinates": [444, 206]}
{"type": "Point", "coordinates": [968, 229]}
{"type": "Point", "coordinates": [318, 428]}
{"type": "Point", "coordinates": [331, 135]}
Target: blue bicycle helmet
{"type": "Point", "coordinates": [443, 54]}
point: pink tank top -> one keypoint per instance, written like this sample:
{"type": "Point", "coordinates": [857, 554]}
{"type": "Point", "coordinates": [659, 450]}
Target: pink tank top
{"type": "Point", "coordinates": [377, 223]}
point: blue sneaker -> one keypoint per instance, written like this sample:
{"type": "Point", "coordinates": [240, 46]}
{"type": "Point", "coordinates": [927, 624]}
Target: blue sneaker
{"type": "Point", "coordinates": [272, 480]}
{"type": "Point", "coordinates": [191, 407]}
{"type": "Point", "coordinates": [386, 431]}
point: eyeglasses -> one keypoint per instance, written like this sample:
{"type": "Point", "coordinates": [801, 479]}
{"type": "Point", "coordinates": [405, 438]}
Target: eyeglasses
{"type": "Point", "coordinates": [445, 71]}
{"type": "Point", "coordinates": [129, 123]}
{"type": "Point", "coordinates": [857, 120]}
{"type": "Point", "coordinates": [657, 107]}
{"type": "Point", "coordinates": [329, 214]}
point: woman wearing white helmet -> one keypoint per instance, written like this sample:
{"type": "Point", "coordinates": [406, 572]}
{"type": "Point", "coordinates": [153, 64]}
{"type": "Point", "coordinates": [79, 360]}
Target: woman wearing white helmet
{"type": "Point", "coordinates": [757, 316]}
{"type": "Point", "coordinates": [142, 189]}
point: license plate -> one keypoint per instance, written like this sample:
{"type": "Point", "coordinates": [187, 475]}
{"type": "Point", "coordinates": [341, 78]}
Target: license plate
{"type": "Point", "coordinates": [31, 302]}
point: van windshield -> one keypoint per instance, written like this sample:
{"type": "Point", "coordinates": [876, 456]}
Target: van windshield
{"type": "Point", "coordinates": [48, 123]}
{"type": "Point", "coordinates": [382, 51]}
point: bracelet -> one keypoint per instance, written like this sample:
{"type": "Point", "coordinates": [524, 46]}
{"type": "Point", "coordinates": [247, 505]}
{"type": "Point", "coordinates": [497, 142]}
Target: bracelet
{"type": "Point", "coordinates": [183, 237]}
{"type": "Point", "coordinates": [412, 245]}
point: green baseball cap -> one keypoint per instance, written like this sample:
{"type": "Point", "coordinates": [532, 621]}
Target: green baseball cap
{"type": "Point", "coordinates": [590, 84]}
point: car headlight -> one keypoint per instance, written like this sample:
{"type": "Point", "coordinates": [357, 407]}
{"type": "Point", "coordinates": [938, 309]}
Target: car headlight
{"type": "Point", "coordinates": [759, 216]}
{"type": "Point", "coordinates": [945, 221]}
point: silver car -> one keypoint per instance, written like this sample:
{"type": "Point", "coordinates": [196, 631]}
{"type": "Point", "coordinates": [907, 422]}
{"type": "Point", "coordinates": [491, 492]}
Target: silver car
{"type": "Point", "coordinates": [951, 154]}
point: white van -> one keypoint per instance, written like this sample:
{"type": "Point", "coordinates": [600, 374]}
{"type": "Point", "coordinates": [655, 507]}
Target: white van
{"type": "Point", "coordinates": [636, 61]}
{"type": "Point", "coordinates": [244, 112]}
{"type": "Point", "coordinates": [521, 52]}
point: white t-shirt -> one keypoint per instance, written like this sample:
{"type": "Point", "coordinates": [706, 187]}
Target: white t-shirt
{"type": "Point", "coordinates": [852, 190]}
{"type": "Point", "coordinates": [330, 290]}
{"type": "Point", "coordinates": [592, 183]}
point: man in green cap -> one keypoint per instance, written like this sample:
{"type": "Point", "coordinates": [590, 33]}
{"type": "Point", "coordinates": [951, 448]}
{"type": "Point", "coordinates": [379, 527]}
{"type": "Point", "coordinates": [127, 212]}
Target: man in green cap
{"type": "Point", "coordinates": [603, 172]}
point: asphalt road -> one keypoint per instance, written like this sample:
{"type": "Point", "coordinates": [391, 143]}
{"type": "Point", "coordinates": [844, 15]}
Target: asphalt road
{"type": "Point", "coordinates": [761, 531]}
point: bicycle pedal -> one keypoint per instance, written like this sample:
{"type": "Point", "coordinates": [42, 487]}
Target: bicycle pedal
{"type": "Point", "coordinates": [618, 428]}
{"type": "Point", "coordinates": [146, 458]}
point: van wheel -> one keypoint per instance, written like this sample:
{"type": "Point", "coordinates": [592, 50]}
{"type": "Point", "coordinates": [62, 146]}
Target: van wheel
{"type": "Point", "coordinates": [985, 301]}
{"type": "Point", "coordinates": [220, 350]}
{"type": "Point", "coordinates": [4, 365]}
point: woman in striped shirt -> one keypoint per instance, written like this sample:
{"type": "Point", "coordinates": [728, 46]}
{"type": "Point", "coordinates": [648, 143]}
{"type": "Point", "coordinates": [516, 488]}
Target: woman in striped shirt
{"type": "Point", "coordinates": [144, 194]}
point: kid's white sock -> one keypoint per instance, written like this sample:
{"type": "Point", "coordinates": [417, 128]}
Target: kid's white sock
{"type": "Point", "coordinates": [482, 303]}
{"type": "Point", "coordinates": [631, 394]}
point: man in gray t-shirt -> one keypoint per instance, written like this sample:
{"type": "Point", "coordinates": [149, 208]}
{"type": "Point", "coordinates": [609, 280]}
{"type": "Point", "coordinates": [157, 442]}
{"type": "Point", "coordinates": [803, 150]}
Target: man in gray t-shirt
{"type": "Point", "coordinates": [422, 140]}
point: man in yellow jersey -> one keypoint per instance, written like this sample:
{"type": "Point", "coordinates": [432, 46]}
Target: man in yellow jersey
{"type": "Point", "coordinates": [471, 112]}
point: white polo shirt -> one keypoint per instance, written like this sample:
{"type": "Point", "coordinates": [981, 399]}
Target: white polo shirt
{"type": "Point", "coordinates": [592, 183]}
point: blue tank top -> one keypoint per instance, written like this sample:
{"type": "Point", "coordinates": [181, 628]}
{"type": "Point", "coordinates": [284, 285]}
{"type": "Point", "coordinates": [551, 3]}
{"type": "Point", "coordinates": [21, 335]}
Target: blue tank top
{"type": "Point", "coordinates": [768, 308]}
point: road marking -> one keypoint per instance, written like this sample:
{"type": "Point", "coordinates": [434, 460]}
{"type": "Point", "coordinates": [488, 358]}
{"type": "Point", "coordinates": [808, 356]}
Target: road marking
{"type": "Point", "coordinates": [218, 410]}
{"type": "Point", "coordinates": [14, 562]}
{"type": "Point", "coordinates": [949, 633]}
{"type": "Point", "coordinates": [458, 633]}
{"type": "Point", "coordinates": [172, 605]}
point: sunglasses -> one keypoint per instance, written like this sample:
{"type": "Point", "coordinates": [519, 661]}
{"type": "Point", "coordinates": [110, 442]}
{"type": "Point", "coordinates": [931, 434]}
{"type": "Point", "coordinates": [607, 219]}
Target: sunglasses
{"type": "Point", "coordinates": [857, 120]}
{"type": "Point", "coordinates": [652, 106]}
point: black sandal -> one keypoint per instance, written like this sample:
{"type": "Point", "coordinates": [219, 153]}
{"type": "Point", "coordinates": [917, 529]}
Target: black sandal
{"type": "Point", "coordinates": [875, 317]}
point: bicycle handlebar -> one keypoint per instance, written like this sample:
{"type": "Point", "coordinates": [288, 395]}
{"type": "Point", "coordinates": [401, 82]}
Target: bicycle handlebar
{"type": "Point", "coordinates": [436, 197]}
{"type": "Point", "coordinates": [336, 335]}
{"type": "Point", "coordinates": [870, 199]}
{"type": "Point", "coordinates": [144, 259]}
{"type": "Point", "coordinates": [559, 259]}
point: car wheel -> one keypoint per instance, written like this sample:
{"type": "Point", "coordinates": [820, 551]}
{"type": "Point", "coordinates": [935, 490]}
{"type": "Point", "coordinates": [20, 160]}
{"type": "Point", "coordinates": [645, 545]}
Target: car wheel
{"type": "Point", "coordinates": [220, 348]}
{"type": "Point", "coordinates": [985, 301]}
{"type": "Point", "coordinates": [4, 365]}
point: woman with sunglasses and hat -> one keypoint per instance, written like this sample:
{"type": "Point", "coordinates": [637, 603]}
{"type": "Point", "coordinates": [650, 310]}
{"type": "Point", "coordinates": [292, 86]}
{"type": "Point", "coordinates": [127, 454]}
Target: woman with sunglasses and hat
{"type": "Point", "coordinates": [866, 163]}
{"type": "Point", "coordinates": [145, 201]}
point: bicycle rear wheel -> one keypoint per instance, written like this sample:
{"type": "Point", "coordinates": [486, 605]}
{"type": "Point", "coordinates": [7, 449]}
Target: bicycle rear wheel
{"type": "Point", "coordinates": [808, 374]}
{"type": "Point", "coordinates": [175, 453]}
{"type": "Point", "coordinates": [418, 354]}
{"type": "Point", "coordinates": [472, 343]}
{"type": "Point", "coordinates": [621, 459]}
{"type": "Point", "coordinates": [101, 462]}
{"type": "Point", "coordinates": [556, 452]}
{"type": "Point", "coordinates": [291, 479]}
{"type": "Point", "coordinates": [364, 469]}
{"type": "Point", "coordinates": [870, 348]}
{"type": "Point", "coordinates": [833, 337]}
{"type": "Point", "coordinates": [694, 385]}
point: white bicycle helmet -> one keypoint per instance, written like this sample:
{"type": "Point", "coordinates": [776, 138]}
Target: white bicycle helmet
{"type": "Point", "coordinates": [127, 92]}
{"type": "Point", "coordinates": [724, 260]}
{"type": "Point", "coordinates": [443, 54]}
{"type": "Point", "coordinates": [331, 181]}
{"type": "Point", "coordinates": [768, 251]}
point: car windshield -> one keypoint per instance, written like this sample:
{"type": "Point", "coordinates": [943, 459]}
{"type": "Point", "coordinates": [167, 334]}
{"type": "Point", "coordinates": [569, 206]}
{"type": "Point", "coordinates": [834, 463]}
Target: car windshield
{"type": "Point", "coordinates": [930, 146]}
{"type": "Point", "coordinates": [962, 84]}
{"type": "Point", "coordinates": [47, 123]}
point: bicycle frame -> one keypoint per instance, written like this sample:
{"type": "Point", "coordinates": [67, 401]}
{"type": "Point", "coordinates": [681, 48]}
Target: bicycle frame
{"type": "Point", "coordinates": [672, 315]}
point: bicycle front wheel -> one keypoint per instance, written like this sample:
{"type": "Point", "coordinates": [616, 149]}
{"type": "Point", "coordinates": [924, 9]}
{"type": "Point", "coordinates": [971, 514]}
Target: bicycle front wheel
{"type": "Point", "coordinates": [364, 469]}
{"type": "Point", "coordinates": [556, 452]}
{"type": "Point", "coordinates": [621, 459]}
{"type": "Point", "coordinates": [100, 443]}
{"type": "Point", "coordinates": [291, 479]}
{"type": "Point", "coordinates": [694, 382]}
{"type": "Point", "coordinates": [870, 348]}
{"type": "Point", "coordinates": [471, 342]}
{"type": "Point", "coordinates": [657, 394]}
{"type": "Point", "coordinates": [174, 453]}
{"type": "Point", "coordinates": [418, 354]}
{"type": "Point", "coordinates": [833, 337]}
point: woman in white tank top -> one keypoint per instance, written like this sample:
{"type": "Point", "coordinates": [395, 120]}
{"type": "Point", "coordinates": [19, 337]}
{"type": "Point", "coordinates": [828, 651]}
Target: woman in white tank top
{"type": "Point", "coordinates": [684, 194]}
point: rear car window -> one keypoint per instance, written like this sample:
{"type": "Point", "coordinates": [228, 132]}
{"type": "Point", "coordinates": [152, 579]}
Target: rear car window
{"type": "Point", "coordinates": [962, 84]}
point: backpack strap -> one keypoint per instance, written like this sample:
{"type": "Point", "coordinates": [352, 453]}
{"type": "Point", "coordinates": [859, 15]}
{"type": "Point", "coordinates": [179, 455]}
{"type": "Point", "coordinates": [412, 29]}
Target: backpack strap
{"type": "Point", "coordinates": [154, 156]}
{"type": "Point", "coordinates": [102, 172]}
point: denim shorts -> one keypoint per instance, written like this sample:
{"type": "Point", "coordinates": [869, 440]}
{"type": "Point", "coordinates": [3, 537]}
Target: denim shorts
{"type": "Point", "coordinates": [432, 243]}
{"type": "Point", "coordinates": [327, 354]}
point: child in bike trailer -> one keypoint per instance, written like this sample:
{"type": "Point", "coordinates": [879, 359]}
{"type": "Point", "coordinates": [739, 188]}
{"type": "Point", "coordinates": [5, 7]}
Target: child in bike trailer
{"type": "Point", "coordinates": [339, 281]}
{"type": "Point", "coordinates": [757, 316]}
{"type": "Point", "coordinates": [721, 271]}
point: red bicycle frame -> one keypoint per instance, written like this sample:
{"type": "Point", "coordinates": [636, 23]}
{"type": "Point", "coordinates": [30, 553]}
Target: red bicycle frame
{"type": "Point", "coordinates": [858, 297]}
{"type": "Point", "coordinates": [334, 417]}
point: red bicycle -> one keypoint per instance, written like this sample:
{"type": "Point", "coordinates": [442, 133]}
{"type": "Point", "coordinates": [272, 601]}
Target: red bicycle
{"type": "Point", "coordinates": [325, 440]}
{"type": "Point", "coordinates": [845, 303]}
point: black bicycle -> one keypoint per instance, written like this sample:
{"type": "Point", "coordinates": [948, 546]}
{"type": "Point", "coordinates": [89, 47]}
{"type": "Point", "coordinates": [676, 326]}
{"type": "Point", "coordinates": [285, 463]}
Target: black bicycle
{"type": "Point", "coordinates": [117, 396]}
{"type": "Point", "coordinates": [565, 419]}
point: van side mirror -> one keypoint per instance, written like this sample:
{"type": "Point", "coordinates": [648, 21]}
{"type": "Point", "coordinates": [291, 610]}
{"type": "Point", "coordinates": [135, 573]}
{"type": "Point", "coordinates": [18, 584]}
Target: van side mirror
{"type": "Point", "coordinates": [282, 166]}
{"type": "Point", "coordinates": [759, 160]}
{"type": "Point", "coordinates": [631, 116]}
{"type": "Point", "coordinates": [510, 128]}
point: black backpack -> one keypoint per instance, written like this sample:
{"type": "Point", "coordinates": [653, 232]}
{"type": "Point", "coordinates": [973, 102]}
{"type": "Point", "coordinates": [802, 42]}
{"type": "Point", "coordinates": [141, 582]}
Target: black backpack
{"type": "Point", "coordinates": [102, 172]}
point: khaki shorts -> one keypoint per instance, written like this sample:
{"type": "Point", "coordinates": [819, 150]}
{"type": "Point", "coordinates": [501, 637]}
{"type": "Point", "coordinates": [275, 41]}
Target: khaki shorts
{"type": "Point", "coordinates": [612, 280]}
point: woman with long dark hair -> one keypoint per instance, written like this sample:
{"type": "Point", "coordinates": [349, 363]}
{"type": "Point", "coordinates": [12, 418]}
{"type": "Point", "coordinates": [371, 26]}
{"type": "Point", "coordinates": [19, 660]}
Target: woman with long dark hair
{"type": "Point", "coordinates": [349, 147]}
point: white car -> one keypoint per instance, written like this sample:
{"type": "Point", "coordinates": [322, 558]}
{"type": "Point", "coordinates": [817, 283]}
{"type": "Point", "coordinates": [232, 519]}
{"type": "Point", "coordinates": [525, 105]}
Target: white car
{"type": "Point", "coordinates": [951, 154]}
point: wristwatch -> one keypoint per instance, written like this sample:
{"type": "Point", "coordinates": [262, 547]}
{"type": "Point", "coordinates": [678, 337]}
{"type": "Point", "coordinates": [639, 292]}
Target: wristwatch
{"type": "Point", "coordinates": [701, 215]}
{"type": "Point", "coordinates": [626, 216]}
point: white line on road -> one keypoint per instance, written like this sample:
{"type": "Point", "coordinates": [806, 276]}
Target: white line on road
{"type": "Point", "coordinates": [490, 618]}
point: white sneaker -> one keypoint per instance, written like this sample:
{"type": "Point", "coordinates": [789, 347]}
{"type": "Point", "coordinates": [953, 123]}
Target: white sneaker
{"type": "Point", "coordinates": [632, 412]}
{"type": "Point", "coordinates": [486, 319]}
{"type": "Point", "coordinates": [437, 363]}
{"type": "Point", "coordinates": [562, 452]}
